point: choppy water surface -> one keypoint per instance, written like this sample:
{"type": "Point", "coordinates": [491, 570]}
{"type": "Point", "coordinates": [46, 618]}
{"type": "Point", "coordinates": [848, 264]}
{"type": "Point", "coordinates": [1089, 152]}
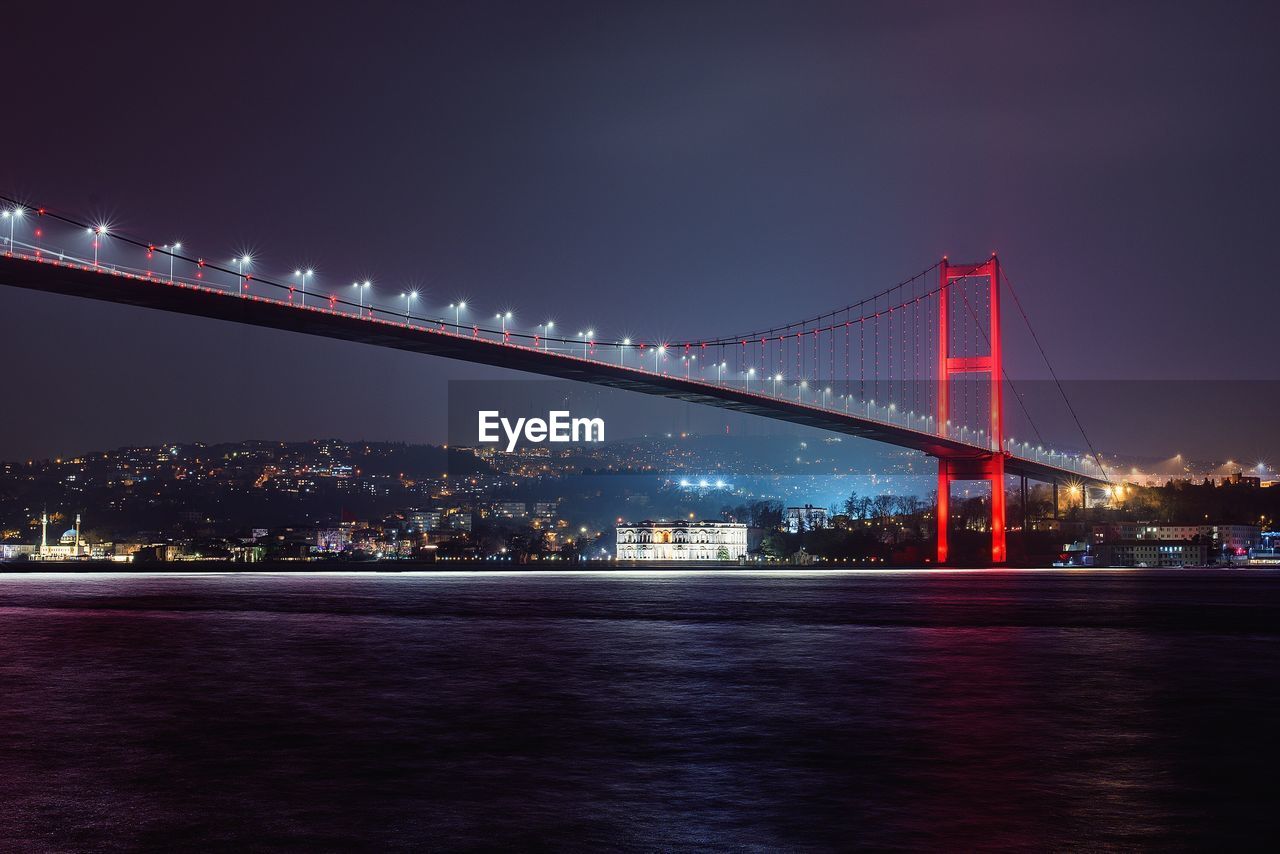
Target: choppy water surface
{"type": "Point", "coordinates": [639, 710]}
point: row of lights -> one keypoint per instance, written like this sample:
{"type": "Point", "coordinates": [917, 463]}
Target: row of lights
{"type": "Point", "coordinates": [245, 261]}
{"type": "Point", "coordinates": [588, 337]}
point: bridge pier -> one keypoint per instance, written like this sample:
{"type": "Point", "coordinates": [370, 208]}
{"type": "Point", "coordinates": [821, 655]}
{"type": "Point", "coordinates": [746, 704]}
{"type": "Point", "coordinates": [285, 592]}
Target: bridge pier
{"type": "Point", "coordinates": [989, 468]}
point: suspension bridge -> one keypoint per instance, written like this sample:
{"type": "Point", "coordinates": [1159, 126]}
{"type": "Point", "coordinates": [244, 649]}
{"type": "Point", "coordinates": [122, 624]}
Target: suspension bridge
{"type": "Point", "coordinates": [918, 365]}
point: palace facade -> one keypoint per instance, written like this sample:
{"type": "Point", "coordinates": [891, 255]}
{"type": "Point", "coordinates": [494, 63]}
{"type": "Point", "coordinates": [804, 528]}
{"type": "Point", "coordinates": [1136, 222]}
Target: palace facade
{"type": "Point", "coordinates": [681, 541]}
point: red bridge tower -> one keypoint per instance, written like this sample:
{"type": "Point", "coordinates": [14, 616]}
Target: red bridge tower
{"type": "Point", "coordinates": [988, 465]}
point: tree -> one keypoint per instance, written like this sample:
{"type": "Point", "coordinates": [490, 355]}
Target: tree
{"type": "Point", "coordinates": [857, 507]}
{"type": "Point", "coordinates": [882, 507]}
{"type": "Point", "coordinates": [766, 514]}
{"type": "Point", "coordinates": [775, 545]}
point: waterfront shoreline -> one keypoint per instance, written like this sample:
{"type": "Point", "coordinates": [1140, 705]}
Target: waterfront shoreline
{"type": "Point", "coordinates": [482, 566]}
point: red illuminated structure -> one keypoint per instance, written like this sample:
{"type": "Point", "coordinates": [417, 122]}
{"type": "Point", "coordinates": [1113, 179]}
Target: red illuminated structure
{"type": "Point", "coordinates": [864, 369]}
{"type": "Point", "coordinates": [988, 466]}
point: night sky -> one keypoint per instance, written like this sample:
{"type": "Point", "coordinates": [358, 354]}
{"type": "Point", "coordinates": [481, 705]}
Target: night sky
{"type": "Point", "coordinates": [652, 169]}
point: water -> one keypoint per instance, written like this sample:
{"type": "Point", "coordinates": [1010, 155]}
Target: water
{"type": "Point", "coordinates": [639, 711]}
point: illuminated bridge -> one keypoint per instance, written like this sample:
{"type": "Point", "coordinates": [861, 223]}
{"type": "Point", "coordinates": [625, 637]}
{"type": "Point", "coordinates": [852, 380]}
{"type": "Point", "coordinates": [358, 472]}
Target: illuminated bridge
{"type": "Point", "coordinates": [917, 365]}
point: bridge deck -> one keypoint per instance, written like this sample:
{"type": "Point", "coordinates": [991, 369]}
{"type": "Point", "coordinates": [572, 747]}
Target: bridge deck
{"type": "Point", "coordinates": [74, 280]}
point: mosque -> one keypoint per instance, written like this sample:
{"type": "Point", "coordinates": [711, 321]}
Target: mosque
{"type": "Point", "coordinates": [68, 547]}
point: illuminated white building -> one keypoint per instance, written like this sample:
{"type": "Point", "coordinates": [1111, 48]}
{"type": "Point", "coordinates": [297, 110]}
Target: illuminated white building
{"type": "Point", "coordinates": [1233, 539]}
{"type": "Point", "coordinates": [806, 518]}
{"type": "Point", "coordinates": [68, 547]}
{"type": "Point", "coordinates": [680, 541]}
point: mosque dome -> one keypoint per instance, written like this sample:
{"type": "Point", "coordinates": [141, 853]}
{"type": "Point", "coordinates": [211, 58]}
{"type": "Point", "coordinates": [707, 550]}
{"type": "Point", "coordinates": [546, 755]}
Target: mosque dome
{"type": "Point", "coordinates": [68, 536]}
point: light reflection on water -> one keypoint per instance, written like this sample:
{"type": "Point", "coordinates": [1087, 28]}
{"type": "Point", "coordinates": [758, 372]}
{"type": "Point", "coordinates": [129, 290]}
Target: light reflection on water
{"type": "Point", "coordinates": [637, 709]}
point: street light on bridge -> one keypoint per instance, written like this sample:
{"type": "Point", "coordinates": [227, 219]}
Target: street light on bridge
{"type": "Point", "coordinates": [360, 289]}
{"type": "Point", "coordinates": [302, 278]}
{"type": "Point", "coordinates": [408, 298]}
{"type": "Point", "coordinates": [97, 232]}
{"type": "Point", "coordinates": [13, 216]}
{"type": "Point", "coordinates": [457, 314]}
{"type": "Point", "coordinates": [242, 261]}
{"type": "Point", "coordinates": [171, 249]}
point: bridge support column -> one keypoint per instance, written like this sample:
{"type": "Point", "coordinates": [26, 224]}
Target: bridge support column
{"type": "Point", "coordinates": [943, 510]}
{"type": "Point", "coordinates": [989, 468]}
{"type": "Point", "coordinates": [999, 551]}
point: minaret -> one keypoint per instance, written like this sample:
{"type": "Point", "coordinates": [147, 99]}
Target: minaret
{"type": "Point", "coordinates": [44, 531]}
{"type": "Point", "coordinates": [77, 533]}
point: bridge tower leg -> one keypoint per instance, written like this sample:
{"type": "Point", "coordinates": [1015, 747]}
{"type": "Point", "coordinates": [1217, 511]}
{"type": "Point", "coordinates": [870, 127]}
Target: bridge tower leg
{"type": "Point", "coordinates": [982, 465]}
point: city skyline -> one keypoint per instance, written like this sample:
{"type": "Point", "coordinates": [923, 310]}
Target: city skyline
{"type": "Point", "coordinates": [332, 503]}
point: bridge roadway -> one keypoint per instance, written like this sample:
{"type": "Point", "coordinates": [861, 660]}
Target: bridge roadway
{"type": "Point", "coordinates": [201, 301]}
